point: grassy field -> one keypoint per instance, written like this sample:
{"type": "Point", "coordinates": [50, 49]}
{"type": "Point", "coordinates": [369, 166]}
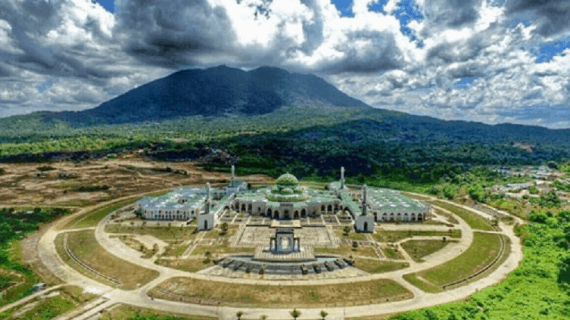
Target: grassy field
{"type": "Point", "coordinates": [339, 232]}
{"type": "Point", "coordinates": [391, 252]}
{"type": "Point", "coordinates": [376, 266]}
{"type": "Point", "coordinates": [484, 249]}
{"type": "Point", "coordinates": [86, 248]}
{"type": "Point", "coordinates": [220, 249]}
{"type": "Point", "coordinates": [175, 249]}
{"type": "Point", "coordinates": [92, 218]}
{"type": "Point", "coordinates": [417, 249]}
{"type": "Point", "coordinates": [475, 221]}
{"type": "Point", "coordinates": [163, 233]}
{"type": "Point", "coordinates": [137, 245]}
{"type": "Point", "coordinates": [365, 292]}
{"type": "Point", "coordinates": [217, 233]}
{"type": "Point", "coordinates": [413, 279]}
{"type": "Point", "coordinates": [450, 218]}
{"type": "Point", "coordinates": [395, 236]}
{"type": "Point", "coordinates": [347, 250]}
{"type": "Point", "coordinates": [123, 312]}
{"type": "Point", "coordinates": [42, 309]}
{"type": "Point", "coordinates": [190, 265]}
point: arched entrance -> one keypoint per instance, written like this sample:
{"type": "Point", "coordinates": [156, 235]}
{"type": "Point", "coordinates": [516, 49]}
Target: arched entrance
{"type": "Point", "coordinates": [420, 218]}
{"type": "Point", "coordinates": [276, 214]}
{"type": "Point", "coordinates": [330, 208]}
{"type": "Point", "coordinates": [269, 213]}
{"type": "Point", "coordinates": [413, 217]}
{"type": "Point", "coordinates": [375, 217]}
{"type": "Point", "coordinates": [286, 215]}
{"type": "Point", "coordinates": [205, 224]}
{"type": "Point", "coordinates": [303, 213]}
{"type": "Point", "coordinates": [243, 207]}
{"type": "Point", "coordinates": [249, 208]}
{"type": "Point", "coordinates": [365, 226]}
{"type": "Point", "coordinates": [296, 215]}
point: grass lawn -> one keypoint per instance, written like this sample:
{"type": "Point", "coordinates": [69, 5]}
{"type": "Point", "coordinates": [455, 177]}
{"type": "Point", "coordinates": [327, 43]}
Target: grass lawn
{"type": "Point", "coordinates": [412, 278]}
{"type": "Point", "coordinates": [244, 295]}
{"type": "Point", "coordinates": [417, 249]}
{"type": "Point", "coordinates": [217, 233]}
{"type": "Point", "coordinates": [339, 232]}
{"type": "Point", "coordinates": [484, 249]}
{"type": "Point", "coordinates": [395, 236]}
{"type": "Point", "coordinates": [450, 218]}
{"type": "Point", "coordinates": [190, 265]}
{"type": "Point", "coordinates": [347, 250]}
{"type": "Point", "coordinates": [68, 299]}
{"type": "Point", "coordinates": [474, 220]}
{"type": "Point", "coordinates": [175, 249]}
{"type": "Point", "coordinates": [376, 266]}
{"type": "Point", "coordinates": [392, 252]}
{"type": "Point", "coordinates": [223, 248]}
{"type": "Point", "coordinates": [124, 311]}
{"type": "Point", "coordinates": [92, 218]}
{"type": "Point", "coordinates": [85, 247]}
{"type": "Point", "coordinates": [163, 233]}
{"type": "Point", "coordinates": [137, 245]}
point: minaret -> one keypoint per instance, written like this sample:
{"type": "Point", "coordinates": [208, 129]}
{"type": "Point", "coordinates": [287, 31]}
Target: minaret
{"type": "Point", "coordinates": [364, 207]}
{"type": "Point", "coordinates": [233, 176]}
{"type": "Point", "coordinates": [341, 178]}
{"type": "Point", "coordinates": [207, 210]}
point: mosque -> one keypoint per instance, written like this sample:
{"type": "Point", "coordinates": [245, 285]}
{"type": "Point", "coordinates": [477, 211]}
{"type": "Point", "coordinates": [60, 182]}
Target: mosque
{"type": "Point", "coordinates": [286, 200]}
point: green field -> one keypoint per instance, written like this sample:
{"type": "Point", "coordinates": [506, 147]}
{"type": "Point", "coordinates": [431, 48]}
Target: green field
{"type": "Point", "coordinates": [376, 266]}
{"type": "Point", "coordinates": [128, 312]}
{"type": "Point", "coordinates": [92, 218]}
{"type": "Point", "coordinates": [190, 265]}
{"type": "Point", "coordinates": [85, 247]}
{"type": "Point", "coordinates": [347, 250]}
{"type": "Point", "coordinates": [474, 220]}
{"type": "Point", "coordinates": [484, 249]}
{"type": "Point", "coordinates": [163, 233]}
{"type": "Point", "coordinates": [417, 249]}
{"type": "Point", "coordinates": [220, 249]}
{"type": "Point", "coordinates": [244, 295]}
{"type": "Point", "coordinates": [395, 236]}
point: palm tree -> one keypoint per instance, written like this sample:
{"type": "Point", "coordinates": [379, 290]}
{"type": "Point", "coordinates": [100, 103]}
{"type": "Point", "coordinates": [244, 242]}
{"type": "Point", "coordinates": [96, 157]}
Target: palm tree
{"type": "Point", "coordinates": [295, 314]}
{"type": "Point", "coordinates": [239, 314]}
{"type": "Point", "coordinates": [263, 317]}
{"type": "Point", "coordinates": [324, 314]}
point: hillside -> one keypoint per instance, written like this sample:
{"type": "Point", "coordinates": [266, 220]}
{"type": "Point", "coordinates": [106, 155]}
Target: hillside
{"type": "Point", "coordinates": [212, 92]}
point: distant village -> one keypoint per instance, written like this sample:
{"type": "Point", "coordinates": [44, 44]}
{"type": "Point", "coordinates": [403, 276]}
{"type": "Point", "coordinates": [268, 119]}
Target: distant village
{"type": "Point", "coordinates": [542, 179]}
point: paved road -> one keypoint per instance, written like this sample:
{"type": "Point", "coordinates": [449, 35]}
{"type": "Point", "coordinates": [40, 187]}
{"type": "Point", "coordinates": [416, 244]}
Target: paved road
{"type": "Point", "coordinates": [138, 297]}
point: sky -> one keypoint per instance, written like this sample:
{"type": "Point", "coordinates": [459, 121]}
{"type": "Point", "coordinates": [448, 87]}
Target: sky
{"type": "Point", "coordinates": [490, 61]}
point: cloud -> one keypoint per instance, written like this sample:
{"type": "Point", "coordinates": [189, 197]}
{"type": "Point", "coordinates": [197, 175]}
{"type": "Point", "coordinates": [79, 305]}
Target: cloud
{"type": "Point", "coordinates": [409, 56]}
{"type": "Point", "coordinates": [551, 16]}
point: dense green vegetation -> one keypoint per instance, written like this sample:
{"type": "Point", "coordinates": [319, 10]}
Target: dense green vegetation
{"type": "Point", "coordinates": [538, 289]}
{"type": "Point", "coordinates": [14, 225]}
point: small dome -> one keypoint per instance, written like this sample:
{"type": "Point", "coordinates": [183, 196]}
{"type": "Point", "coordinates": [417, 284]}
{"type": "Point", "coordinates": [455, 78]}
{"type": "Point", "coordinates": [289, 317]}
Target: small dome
{"type": "Point", "coordinates": [287, 191]}
{"type": "Point", "coordinates": [287, 180]}
{"type": "Point", "coordinates": [298, 189]}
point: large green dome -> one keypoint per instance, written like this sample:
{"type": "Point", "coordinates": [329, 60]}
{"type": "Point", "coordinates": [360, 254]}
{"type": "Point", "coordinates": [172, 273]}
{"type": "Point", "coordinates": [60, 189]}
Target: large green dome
{"type": "Point", "coordinates": [287, 180]}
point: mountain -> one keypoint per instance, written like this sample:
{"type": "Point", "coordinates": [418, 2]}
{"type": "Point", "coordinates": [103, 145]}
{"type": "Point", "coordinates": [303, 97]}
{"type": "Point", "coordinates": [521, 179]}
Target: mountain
{"type": "Point", "coordinates": [211, 92]}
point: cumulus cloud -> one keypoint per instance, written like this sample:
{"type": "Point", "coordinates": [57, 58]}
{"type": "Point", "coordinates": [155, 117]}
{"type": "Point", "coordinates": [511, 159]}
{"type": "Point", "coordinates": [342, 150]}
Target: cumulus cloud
{"type": "Point", "coordinates": [408, 56]}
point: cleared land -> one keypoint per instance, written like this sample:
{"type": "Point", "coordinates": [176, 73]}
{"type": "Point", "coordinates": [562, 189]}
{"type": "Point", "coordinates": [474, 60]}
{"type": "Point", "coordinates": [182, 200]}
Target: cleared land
{"type": "Point", "coordinates": [395, 236]}
{"type": "Point", "coordinates": [190, 265]}
{"type": "Point", "coordinates": [484, 249]}
{"type": "Point", "coordinates": [85, 247]}
{"type": "Point", "coordinates": [475, 221]}
{"type": "Point", "coordinates": [163, 233]}
{"type": "Point", "coordinates": [347, 250]}
{"type": "Point", "coordinates": [376, 266]}
{"type": "Point", "coordinates": [210, 292]}
{"type": "Point", "coordinates": [392, 252]}
{"type": "Point", "coordinates": [175, 249]}
{"type": "Point", "coordinates": [417, 249]}
{"type": "Point", "coordinates": [421, 283]}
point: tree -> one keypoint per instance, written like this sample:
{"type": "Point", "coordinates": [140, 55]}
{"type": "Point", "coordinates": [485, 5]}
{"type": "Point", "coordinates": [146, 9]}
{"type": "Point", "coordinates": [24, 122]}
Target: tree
{"type": "Point", "coordinates": [263, 317]}
{"type": "Point", "coordinates": [346, 230]}
{"type": "Point", "coordinates": [324, 314]}
{"type": "Point", "coordinates": [354, 245]}
{"type": "Point", "coordinates": [224, 227]}
{"type": "Point", "coordinates": [295, 313]}
{"type": "Point", "coordinates": [239, 314]}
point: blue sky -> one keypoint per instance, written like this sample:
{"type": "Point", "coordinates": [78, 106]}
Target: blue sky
{"type": "Point", "coordinates": [491, 61]}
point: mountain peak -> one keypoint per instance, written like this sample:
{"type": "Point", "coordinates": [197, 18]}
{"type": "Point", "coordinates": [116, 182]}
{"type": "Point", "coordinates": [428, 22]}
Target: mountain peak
{"type": "Point", "coordinates": [215, 91]}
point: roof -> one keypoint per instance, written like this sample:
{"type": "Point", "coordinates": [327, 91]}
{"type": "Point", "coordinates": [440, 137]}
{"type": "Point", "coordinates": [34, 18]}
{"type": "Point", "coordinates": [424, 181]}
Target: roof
{"type": "Point", "coordinates": [282, 230]}
{"type": "Point", "coordinates": [287, 180]}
